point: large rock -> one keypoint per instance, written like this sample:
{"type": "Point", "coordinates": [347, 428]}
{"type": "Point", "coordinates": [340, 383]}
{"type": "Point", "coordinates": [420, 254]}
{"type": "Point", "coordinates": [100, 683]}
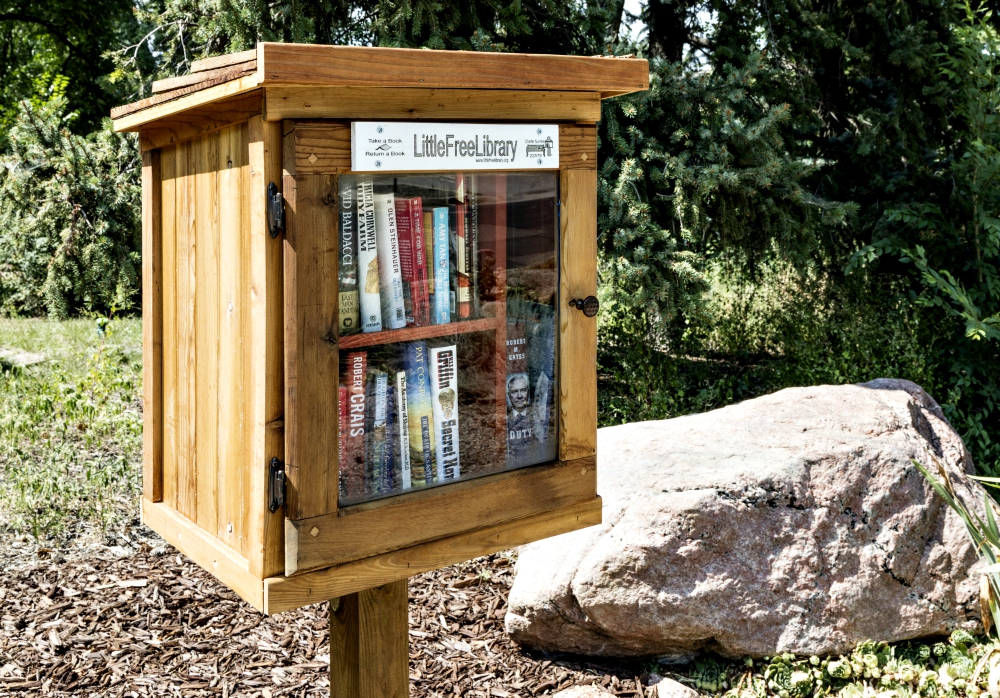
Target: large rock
{"type": "Point", "coordinates": [794, 522]}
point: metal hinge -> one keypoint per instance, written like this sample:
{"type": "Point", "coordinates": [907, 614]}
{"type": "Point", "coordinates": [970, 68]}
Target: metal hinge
{"type": "Point", "coordinates": [275, 485]}
{"type": "Point", "coordinates": [275, 211]}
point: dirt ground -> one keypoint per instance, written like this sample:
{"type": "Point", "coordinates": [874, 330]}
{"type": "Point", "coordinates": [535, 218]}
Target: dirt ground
{"type": "Point", "coordinates": [153, 624]}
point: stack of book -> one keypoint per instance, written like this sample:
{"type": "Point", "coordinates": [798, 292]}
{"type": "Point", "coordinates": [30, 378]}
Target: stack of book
{"type": "Point", "coordinates": [398, 428]}
{"type": "Point", "coordinates": [403, 261]}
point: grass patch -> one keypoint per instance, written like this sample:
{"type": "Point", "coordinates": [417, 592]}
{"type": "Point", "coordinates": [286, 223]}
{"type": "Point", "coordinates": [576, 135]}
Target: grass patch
{"type": "Point", "coordinates": [71, 430]}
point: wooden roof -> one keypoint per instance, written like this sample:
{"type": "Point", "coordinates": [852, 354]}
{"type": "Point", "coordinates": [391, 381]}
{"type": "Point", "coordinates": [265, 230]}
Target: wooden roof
{"type": "Point", "coordinates": [270, 64]}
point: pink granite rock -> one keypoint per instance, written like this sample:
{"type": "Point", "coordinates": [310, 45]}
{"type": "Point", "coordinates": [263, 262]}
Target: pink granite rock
{"type": "Point", "coordinates": [794, 522]}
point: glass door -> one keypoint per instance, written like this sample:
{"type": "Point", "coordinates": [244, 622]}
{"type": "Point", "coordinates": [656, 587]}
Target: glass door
{"type": "Point", "coordinates": [446, 328]}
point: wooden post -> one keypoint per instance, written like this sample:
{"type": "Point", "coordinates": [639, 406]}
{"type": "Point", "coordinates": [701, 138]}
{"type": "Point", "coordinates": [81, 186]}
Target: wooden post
{"type": "Point", "coordinates": [370, 643]}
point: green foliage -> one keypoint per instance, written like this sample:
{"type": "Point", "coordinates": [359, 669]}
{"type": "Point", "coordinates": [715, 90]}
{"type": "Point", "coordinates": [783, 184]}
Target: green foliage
{"type": "Point", "coordinates": [69, 217]}
{"type": "Point", "coordinates": [952, 238]}
{"type": "Point", "coordinates": [70, 429]}
{"type": "Point", "coordinates": [44, 41]}
{"type": "Point", "coordinates": [184, 30]}
{"type": "Point", "coordinates": [792, 327]}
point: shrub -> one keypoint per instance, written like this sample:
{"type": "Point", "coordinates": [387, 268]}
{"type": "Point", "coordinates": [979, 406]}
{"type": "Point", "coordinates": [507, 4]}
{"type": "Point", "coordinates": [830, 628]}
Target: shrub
{"type": "Point", "coordinates": [69, 217]}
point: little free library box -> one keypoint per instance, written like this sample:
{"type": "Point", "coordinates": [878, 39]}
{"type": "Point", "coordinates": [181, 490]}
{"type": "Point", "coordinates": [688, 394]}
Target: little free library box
{"type": "Point", "coordinates": [369, 343]}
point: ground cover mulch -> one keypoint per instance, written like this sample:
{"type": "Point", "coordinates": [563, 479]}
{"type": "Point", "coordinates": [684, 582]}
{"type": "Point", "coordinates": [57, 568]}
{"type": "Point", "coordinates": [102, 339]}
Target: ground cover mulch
{"type": "Point", "coordinates": [155, 624]}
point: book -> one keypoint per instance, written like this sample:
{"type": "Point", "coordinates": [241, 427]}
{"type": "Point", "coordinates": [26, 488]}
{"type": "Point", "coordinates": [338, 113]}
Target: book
{"type": "Point", "coordinates": [472, 243]}
{"type": "Point", "coordinates": [442, 273]}
{"type": "Point", "coordinates": [352, 464]}
{"type": "Point", "coordinates": [378, 384]}
{"type": "Point", "coordinates": [341, 442]}
{"type": "Point", "coordinates": [390, 268]}
{"type": "Point", "coordinates": [429, 259]}
{"type": "Point", "coordinates": [409, 223]}
{"type": "Point", "coordinates": [520, 418]}
{"type": "Point", "coordinates": [369, 298]}
{"type": "Point", "coordinates": [347, 262]}
{"type": "Point", "coordinates": [419, 412]}
{"type": "Point", "coordinates": [403, 431]}
{"type": "Point", "coordinates": [530, 382]}
{"type": "Point", "coordinates": [444, 397]}
{"type": "Point", "coordinates": [385, 483]}
{"type": "Point", "coordinates": [463, 298]}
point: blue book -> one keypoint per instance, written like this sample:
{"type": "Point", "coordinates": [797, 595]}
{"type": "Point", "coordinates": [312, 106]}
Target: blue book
{"type": "Point", "coordinates": [442, 276]}
{"type": "Point", "coordinates": [419, 413]}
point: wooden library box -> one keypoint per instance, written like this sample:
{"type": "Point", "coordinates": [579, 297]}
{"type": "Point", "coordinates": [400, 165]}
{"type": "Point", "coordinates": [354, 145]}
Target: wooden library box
{"type": "Point", "coordinates": [369, 333]}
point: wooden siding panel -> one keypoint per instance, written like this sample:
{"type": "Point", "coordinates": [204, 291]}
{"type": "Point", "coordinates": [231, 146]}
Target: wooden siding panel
{"type": "Point", "coordinates": [152, 328]}
{"type": "Point", "coordinates": [233, 297]}
{"type": "Point", "coordinates": [205, 366]}
{"type": "Point", "coordinates": [168, 197]}
{"type": "Point", "coordinates": [187, 496]}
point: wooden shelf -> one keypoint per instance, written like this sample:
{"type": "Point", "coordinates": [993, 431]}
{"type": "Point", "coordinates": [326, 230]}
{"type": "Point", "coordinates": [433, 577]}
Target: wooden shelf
{"type": "Point", "coordinates": [410, 334]}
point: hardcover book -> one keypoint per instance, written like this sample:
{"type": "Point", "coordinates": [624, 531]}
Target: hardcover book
{"type": "Point", "coordinates": [463, 299]}
{"type": "Point", "coordinates": [530, 376]}
{"type": "Point", "coordinates": [472, 242]}
{"type": "Point", "coordinates": [420, 413]}
{"type": "Point", "coordinates": [388, 479]}
{"type": "Point", "coordinates": [444, 397]}
{"type": "Point", "coordinates": [403, 431]}
{"type": "Point", "coordinates": [347, 262]}
{"type": "Point", "coordinates": [370, 303]}
{"type": "Point", "coordinates": [352, 465]}
{"type": "Point", "coordinates": [409, 223]}
{"type": "Point", "coordinates": [442, 274]}
{"type": "Point", "coordinates": [377, 457]}
{"type": "Point", "coordinates": [429, 260]}
{"type": "Point", "coordinates": [389, 264]}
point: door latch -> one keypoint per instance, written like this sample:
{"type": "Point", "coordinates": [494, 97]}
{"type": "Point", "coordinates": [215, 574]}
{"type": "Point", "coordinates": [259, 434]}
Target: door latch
{"type": "Point", "coordinates": [589, 305]}
{"type": "Point", "coordinates": [275, 485]}
{"type": "Point", "coordinates": [275, 211]}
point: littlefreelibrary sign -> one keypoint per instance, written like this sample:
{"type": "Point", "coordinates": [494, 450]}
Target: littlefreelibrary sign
{"type": "Point", "coordinates": [406, 146]}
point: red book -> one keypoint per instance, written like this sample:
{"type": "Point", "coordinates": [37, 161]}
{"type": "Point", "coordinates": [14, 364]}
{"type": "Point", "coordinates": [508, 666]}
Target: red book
{"type": "Point", "coordinates": [410, 225]}
{"type": "Point", "coordinates": [404, 230]}
{"type": "Point", "coordinates": [464, 294]}
{"type": "Point", "coordinates": [352, 463]}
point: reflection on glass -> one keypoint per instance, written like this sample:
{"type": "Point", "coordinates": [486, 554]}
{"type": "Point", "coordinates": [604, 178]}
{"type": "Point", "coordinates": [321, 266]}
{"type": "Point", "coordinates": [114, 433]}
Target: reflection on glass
{"type": "Point", "coordinates": [446, 328]}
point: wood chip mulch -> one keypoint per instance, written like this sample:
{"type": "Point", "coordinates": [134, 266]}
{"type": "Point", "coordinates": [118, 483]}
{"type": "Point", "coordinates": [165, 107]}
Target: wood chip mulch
{"type": "Point", "coordinates": [154, 624]}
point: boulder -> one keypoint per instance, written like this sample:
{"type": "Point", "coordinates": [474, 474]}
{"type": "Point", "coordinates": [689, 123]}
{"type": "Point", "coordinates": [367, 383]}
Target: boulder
{"type": "Point", "coordinates": [661, 687]}
{"type": "Point", "coordinates": [794, 522]}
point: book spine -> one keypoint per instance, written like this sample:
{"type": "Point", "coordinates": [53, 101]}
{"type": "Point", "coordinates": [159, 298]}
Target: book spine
{"type": "Point", "coordinates": [370, 303]}
{"type": "Point", "coordinates": [353, 464]}
{"type": "Point", "coordinates": [420, 278]}
{"type": "Point", "coordinates": [403, 429]}
{"type": "Point", "coordinates": [389, 264]}
{"type": "Point", "coordinates": [462, 291]}
{"type": "Point", "coordinates": [442, 276]}
{"type": "Point", "coordinates": [377, 455]}
{"type": "Point", "coordinates": [342, 412]}
{"type": "Point", "coordinates": [391, 439]}
{"type": "Point", "coordinates": [347, 266]}
{"type": "Point", "coordinates": [420, 413]}
{"type": "Point", "coordinates": [444, 396]}
{"type": "Point", "coordinates": [472, 234]}
{"type": "Point", "coordinates": [429, 262]}
{"type": "Point", "coordinates": [404, 228]}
